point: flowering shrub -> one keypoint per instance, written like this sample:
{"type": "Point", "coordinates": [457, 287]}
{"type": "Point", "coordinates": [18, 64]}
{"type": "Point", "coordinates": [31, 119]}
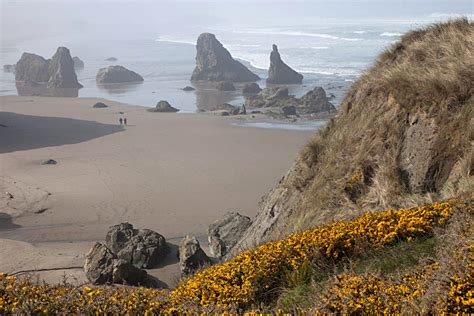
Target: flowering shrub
{"type": "Point", "coordinates": [253, 275]}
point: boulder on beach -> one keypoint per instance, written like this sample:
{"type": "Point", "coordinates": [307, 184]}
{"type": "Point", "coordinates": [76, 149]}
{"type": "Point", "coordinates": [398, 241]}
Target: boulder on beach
{"type": "Point", "coordinates": [78, 63]}
{"type": "Point", "coordinates": [143, 248]}
{"type": "Point", "coordinates": [117, 74]}
{"type": "Point", "coordinates": [102, 266]}
{"type": "Point", "coordinates": [100, 105]}
{"type": "Point", "coordinates": [215, 63]}
{"type": "Point", "coordinates": [49, 162]}
{"type": "Point", "coordinates": [315, 101]}
{"type": "Point", "coordinates": [251, 87]}
{"type": "Point", "coordinates": [9, 68]}
{"type": "Point", "coordinates": [225, 86]}
{"type": "Point", "coordinates": [224, 233]}
{"type": "Point", "coordinates": [191, 256]}
{"type": "Point", "coordinates": [229, 109]}
{"type": "Point", "coordinates": [188, 88]}
{"type": "Point", "coordinates": [32, 68]}
{"type": "Point", "coordinates": [61, 70]}
{"type": "Point", "coordinates": [281, 73]}
{"type": "Point", "coordinates": [163, 107]}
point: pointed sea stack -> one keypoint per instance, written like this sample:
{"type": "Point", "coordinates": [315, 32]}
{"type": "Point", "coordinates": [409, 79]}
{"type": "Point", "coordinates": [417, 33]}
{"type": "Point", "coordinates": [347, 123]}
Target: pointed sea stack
{"type": "Point", "coordinates": [281, 73]}
{"type": "Point", "coordinates": [62, 72]}
{"type": "Point", "coordinates": [215, 63]}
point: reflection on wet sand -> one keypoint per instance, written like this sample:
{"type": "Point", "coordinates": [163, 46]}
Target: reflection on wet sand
{"type": "Point", "coordinates": [208, 97]}
{"type": "Point", "coordinates": [29, 90]}
{"type": "Point", "coordinates": [119, 88]}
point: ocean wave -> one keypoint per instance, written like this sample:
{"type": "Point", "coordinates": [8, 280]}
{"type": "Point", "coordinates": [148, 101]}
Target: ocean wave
{"type": "Point", "coordinates": [389, 34]}
{"type": "Point", "coordinates": [359, 32]}
{"type": "Point", "coordinates": [169, 39]}
{"type": "Point", "coordinates": [296, 33]}
{"type": "Point", "coordinates": [314, 47]}
{"type": "Point", "coordinates": [245, 45]}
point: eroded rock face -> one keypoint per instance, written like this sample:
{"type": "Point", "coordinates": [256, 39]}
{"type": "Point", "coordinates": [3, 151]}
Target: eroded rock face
{"type": "Point", "coordinates": [32, 68]}
{"type": "Point", "coordinates": [61, 69]}
{"type": "Point", "coordinates": [78, 63]}
{"type": "Point", "coordinates": [215, 63]}
{"type": "Point", "coordinates": [117, 74]}
{"type": "Point", "coordinates": [99, 264]}
{"type": "Point", "coordinates": [143, 248]}
{"type": "Point", "coordinates": [223, 234]}
{"type": "Point", "coordinates": [164, 107]}
{"type": "Point", "coordinates": [281, 73]}
{"type": "Point", "coordinates": [191, 256]}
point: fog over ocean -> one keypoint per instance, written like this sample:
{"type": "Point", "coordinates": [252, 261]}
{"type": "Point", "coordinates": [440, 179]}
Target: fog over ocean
{"type": "Point", "coordinates": [330, 42]}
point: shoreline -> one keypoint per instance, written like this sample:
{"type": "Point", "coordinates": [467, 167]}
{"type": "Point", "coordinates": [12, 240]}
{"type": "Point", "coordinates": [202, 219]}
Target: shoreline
{"type": "Point", "coordinates": [172, 173]}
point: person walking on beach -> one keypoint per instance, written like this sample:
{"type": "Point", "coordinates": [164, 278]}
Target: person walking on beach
{"type": "Point", "coordinates": [120, 120]}
{"type": "Point", "coordinates": [125, 120]}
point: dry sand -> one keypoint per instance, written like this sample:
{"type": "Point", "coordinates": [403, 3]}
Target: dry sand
{"type": "Point", "coordinates": [173, 173]}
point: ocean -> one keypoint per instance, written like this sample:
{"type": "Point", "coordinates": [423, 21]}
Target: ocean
{"type": "Point", "coordinates": [331, 51]}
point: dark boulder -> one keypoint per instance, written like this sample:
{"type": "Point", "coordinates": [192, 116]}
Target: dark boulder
{"type": "Point", "coordinates": [188, 88]}
{"type": "Point", "coordinates": [281, 73]}
{"type": "Point", "coordinates": [164, 107]}
{"type": "Point", "coordinates": [289, 110]}
{"type": "Point", "coordinates": [251, 87]}
{"type": "Point", "coordinates": [78, 63]}
{"type": "Point", "coordinates": [191, 256]}
{"type": "Point", "coordinates": [32, 68]}
{"type": "Point", "coordinates": [61, 70]}
{"type": "Point", "coordinates": [143, 248]}
{"type": "Point", "coordinates": [9, 68]}
{"type": "Point", "coordinates": [103, 267]}
{"type": "Point", "coordinates": [100, 105]}
{"type": "Point", "coordinates": [49, 162]}
{"type": "Point", "coordinates": [215, 63]}
{"type": "Point", "coordinates": [117, 74]}
{"type": "Point", "coordinates": [225, 86]}
{"type": "Point", "coordinates": [315, 101]}
{"type": "Point", "coordinates": [223, 234]}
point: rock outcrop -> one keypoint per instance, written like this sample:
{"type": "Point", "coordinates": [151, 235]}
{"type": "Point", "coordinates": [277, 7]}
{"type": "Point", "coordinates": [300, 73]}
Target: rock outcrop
{"type": "Point", "coordinates": [143, 248]}
{"type": "Point", "coordinates": [111, 59]}
{"type": "Point", "coordinates": [32, 68]}
{"type": "Point", "coordinates": [281, 73]}
{"type": "Point", "coordinates": [315, 101]}
{"type": "Point", "coordinates": [188, 88]}
{"type": "Point", "coordinates": [117, 74]}
{"type": "Point", "coordinates": [225, 86]}
{"type": "Point", "coordinates": [58, 72]}
{"type": "Point", "coordinates": [61, 70]}
{"type": "Point", "coordinates": [223, 234]}
{"type": "Point", "coordinates": [9, 68]}
{"type": "Point", "coordinates": [103, 267]}
{"type": "Point", "coordinates": [191, 256]}
{"type": "Point", "coordinates": [78, 63]}
{"type": "Point", "coordinates": [215, 63]}
{"type": "Point", "coordinates": [251, 87]}
{"type": "Point", "coordinates": [403, 134]}
{"type": "Point", "coordinates": [163, 107]}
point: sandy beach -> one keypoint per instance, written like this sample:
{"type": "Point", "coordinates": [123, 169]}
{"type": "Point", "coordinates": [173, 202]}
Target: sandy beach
{"type": "Point", "coordinates": [173, 173]}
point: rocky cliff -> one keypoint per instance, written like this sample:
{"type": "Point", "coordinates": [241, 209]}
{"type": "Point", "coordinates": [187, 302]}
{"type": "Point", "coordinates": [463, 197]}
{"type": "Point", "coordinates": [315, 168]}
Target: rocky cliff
{"type": "Point", "coordinates": [281, 73]}
{"type": "Point", "coordinates": [215, 63]}
{"type": "Point", "coordinates": [403, 135]}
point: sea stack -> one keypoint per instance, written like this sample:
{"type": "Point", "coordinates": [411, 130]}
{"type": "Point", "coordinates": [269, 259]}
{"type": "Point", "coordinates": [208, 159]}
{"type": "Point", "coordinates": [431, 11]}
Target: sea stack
{"type": "Point", "coordinates": [61, 69]}
{"type": "Point", "coordinates": [215, 63]}
{"type": "Point", "coordinates": [57, 72]}
{"type": "Point", "coordinates": [281, 73]}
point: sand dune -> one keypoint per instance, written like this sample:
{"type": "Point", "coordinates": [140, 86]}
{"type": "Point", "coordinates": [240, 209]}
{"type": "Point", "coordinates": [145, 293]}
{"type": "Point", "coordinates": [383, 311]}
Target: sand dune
{"type": "Point", "coordinates": [173, 173]}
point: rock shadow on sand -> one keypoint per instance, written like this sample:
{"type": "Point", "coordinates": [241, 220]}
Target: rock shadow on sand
{"type": "Point", "coordinates": [24, 132]}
